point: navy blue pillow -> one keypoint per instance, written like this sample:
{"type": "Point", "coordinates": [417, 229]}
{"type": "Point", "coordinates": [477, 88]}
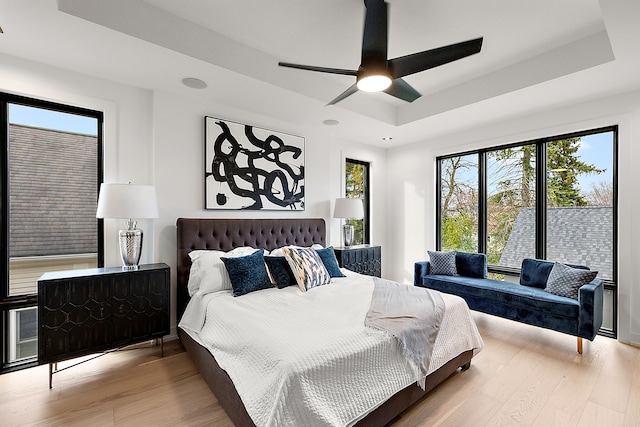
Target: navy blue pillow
{"type": "Point", "coordinates": [328, 257]}
{"type": "Point", "coordinates": [247, 273]}
{"type": "Point", "coordinates": [280, 271]}
{"type": "Point", "coordinates": [535, 272]}
{"type": "Point", "coordinates": [471, 265]}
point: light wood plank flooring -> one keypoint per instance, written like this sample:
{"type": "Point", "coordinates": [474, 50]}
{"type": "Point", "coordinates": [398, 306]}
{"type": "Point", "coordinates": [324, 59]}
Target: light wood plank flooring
{"type": "Point", "coordinates": [525, 376]}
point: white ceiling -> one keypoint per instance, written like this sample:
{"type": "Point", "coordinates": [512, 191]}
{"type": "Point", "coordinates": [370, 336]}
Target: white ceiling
{"type": "Point", "coordinates": [537, 54]}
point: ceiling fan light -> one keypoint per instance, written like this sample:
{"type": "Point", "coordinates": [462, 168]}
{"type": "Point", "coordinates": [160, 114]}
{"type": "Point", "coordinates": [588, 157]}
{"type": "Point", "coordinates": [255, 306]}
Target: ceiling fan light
{"type": "Point", "coordinates": [374, 83]}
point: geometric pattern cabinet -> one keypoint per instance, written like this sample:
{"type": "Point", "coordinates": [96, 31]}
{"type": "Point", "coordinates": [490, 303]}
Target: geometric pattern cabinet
{"type": "Point", "coordinates": [363, 259]}
{"type": "Point", "coordinates": [82, 312]}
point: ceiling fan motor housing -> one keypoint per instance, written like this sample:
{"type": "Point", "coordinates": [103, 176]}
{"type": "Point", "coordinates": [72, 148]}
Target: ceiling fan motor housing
{"type": "Point", "coordinates": [373, 76]}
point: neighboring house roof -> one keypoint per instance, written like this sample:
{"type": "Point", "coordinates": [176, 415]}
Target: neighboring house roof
{"type": "Point", "coordinates": [575, 235]}
{"type": "Point", "coordinates": [53, 194]}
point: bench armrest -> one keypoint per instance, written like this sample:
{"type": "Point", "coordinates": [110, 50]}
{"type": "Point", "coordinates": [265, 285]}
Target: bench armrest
{"type": "Point", "coordinates": [420, 270]}
{"type": "Point", "coordinates": [591, 300]}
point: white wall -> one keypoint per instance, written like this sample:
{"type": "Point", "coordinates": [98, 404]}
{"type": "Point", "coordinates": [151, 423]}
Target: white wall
{"type": "Point", "coordinates": [154, 137]}
{"type": "Point", "coordinates": [411, 188]}
{"type": "Point", "coordinates": [179, 169]}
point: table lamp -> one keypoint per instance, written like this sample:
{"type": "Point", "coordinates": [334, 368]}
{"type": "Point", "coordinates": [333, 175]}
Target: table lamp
{"type": "Point", "coordinates": [128, 201]}
{"type": "Point", "coordinates": [348, 208]}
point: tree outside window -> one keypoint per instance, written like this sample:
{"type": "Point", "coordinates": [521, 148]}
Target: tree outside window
{"type": "Point", "coordinates": [459, 203]}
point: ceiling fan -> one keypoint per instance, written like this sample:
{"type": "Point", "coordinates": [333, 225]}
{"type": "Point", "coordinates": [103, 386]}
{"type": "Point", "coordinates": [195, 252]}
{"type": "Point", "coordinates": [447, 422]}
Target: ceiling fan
{"type": "Point", "coordinates": [378, 73]}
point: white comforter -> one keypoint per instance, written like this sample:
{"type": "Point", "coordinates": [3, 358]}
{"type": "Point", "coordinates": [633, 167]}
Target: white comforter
{"type": "Point", "coordinates": [301, 359]}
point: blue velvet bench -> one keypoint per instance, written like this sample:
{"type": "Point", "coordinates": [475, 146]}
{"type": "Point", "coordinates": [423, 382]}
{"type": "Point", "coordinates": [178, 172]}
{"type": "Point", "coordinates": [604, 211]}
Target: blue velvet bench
{"type": "Point", "coordinates": [526, 302]}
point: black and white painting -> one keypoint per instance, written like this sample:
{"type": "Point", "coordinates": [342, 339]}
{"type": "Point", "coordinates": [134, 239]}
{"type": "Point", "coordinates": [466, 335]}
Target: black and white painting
{"type": "Point", "coordinates": [252, 168]}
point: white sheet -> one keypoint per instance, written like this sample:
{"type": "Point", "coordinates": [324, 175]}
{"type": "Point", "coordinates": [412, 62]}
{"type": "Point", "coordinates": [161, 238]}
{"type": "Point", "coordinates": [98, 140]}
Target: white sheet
{"type": "Point", "coordinates": [306, 358]}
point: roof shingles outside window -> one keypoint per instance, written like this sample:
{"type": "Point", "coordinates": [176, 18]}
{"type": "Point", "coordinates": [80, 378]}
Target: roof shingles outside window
{"type": "Point", "coordinates": [577, 235]}
{"type": "Point", "coordinates": [53, 192]}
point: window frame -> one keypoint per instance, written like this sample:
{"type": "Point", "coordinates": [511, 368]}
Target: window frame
{"type": "Point", "coordinates": [366, 200]}
{"type": "Point", "coordinates": [8, 302]}
{"type": "Point", "coordinates": [540, 205]}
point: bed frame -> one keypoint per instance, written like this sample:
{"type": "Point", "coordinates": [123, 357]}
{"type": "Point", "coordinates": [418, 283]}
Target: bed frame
{"type": "Point", "coordinates": [226, 234]}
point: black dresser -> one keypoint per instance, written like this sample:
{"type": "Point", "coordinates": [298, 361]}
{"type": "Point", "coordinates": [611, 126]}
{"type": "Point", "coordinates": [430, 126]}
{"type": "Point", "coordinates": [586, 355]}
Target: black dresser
{"type": "Point", "coordinates": [82, 312]}
{"type": "Point", "coordinates": [364, 259]}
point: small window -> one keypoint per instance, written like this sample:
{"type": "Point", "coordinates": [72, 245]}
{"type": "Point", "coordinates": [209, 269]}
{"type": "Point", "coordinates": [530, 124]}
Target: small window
{"type": "Point", "coordinates": [23, 335]}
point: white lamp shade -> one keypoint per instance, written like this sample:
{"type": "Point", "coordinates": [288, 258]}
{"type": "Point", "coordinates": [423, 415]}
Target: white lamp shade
{"type": "Point", "coordinates": [348, 208]}
{"type": "Point", "coordinates": [127, 201]}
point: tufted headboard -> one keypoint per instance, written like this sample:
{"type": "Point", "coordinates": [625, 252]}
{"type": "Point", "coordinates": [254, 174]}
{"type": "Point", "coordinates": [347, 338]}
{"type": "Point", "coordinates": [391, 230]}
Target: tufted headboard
{"type": "Point", "coordinates": [226, 234]}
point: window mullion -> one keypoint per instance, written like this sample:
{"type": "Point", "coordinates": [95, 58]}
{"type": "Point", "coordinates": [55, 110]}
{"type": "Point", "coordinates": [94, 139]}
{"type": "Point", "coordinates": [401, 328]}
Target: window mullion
{"type": "Point", "coordinates": [438, 204]}
{"type": "Point", "coordinates": [4, 197]}
{"type": "Point", "coordinates": [482, 202]}
{"type": "Point", "coordinates": [541, 200]}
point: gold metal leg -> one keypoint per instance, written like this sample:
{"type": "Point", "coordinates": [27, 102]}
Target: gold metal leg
{"type": "Point", "coordinates": [580, 345]}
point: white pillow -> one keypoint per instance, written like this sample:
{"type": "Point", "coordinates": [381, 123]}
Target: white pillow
{"type": "Point", "coordinates": [280, 251]}
{"type": "Point", "coordinates": [208, 273]}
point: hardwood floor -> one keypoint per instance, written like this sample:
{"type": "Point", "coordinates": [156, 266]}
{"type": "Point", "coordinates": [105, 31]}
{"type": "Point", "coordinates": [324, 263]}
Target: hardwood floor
{"type": "Point", "coordinates": [525, 376]}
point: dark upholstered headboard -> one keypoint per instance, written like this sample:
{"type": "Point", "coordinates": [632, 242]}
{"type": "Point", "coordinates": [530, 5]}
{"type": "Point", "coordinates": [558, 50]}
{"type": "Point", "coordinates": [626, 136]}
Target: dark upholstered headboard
{"type": "Point", "coordinates": [226, 234]}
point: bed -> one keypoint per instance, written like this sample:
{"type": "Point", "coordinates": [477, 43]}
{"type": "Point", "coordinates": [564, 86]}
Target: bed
{"type": "Point", "coordinates": [227, 234]}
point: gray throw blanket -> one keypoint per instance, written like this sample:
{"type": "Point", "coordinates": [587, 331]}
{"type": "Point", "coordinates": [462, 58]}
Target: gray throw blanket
{"type": "Point", "coordinates": [412, 315]}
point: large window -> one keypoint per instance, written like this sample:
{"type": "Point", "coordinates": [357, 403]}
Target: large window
{"type": "Point", "coordinates": [50, 176]}
{"type": "Point", "coordinates": [553, 198]}
{"type": "Point", "coordinates": [357, 186]}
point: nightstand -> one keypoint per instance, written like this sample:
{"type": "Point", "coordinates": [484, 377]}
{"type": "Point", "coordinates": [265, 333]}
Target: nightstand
{"type": "Point", "coordinates": [364, 259]}
{"type": "Point", "coordinates": [82, 312]}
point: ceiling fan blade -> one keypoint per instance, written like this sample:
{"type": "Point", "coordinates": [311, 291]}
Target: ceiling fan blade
{"type": "Point", "coordinates": [319, 69]}
{"type": "Point", "coordinates": [414, 63]}
{"type": "Point", "coordinates": [402, 90]}
{"type": "Point", "coordinates": [353, 89]}
{"type": "Point", "coordinates": [374, 38]}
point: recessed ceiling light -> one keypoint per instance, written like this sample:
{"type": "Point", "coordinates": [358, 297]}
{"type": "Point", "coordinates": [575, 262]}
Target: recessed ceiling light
{"type": "Point", "coordinates": [194, 83]}
{"type": "Point", "coordinates": [387, 138]}
{"type": "Point", "coordinates": [331, 122]}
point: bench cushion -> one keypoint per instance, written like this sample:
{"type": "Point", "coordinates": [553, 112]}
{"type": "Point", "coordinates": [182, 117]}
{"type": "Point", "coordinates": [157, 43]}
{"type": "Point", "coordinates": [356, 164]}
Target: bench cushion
{"type": "Point", "coordinates": [508, 293]}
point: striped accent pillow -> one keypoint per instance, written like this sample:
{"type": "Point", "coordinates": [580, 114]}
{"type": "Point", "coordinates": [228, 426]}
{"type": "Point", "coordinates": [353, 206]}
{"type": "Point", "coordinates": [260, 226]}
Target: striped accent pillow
{"type": "Point", "coordinates": [307, 267]}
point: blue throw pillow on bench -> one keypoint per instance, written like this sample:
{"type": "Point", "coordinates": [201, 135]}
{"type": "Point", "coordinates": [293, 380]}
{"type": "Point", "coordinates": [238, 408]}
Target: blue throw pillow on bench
{"type": "Point", "coordinates": [471, 265]}
{"type": "Point", "coordinates": [442, 263]}
{"type": "Point", "coordinates": [535, 272]}
{"type": "Point", "coordinates": [565, 281]}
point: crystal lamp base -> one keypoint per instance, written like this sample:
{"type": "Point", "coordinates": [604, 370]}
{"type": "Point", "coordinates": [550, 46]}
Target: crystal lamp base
{"type": "Point", "coordinates": [130, 246]}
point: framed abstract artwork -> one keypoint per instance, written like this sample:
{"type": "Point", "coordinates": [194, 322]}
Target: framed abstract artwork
{"type": "Point", "coordinates": [247, 167]}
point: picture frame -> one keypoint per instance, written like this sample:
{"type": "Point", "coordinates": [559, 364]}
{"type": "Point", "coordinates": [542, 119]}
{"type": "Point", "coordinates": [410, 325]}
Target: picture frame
{"type": "Point", "coordinates": [252, 168]}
